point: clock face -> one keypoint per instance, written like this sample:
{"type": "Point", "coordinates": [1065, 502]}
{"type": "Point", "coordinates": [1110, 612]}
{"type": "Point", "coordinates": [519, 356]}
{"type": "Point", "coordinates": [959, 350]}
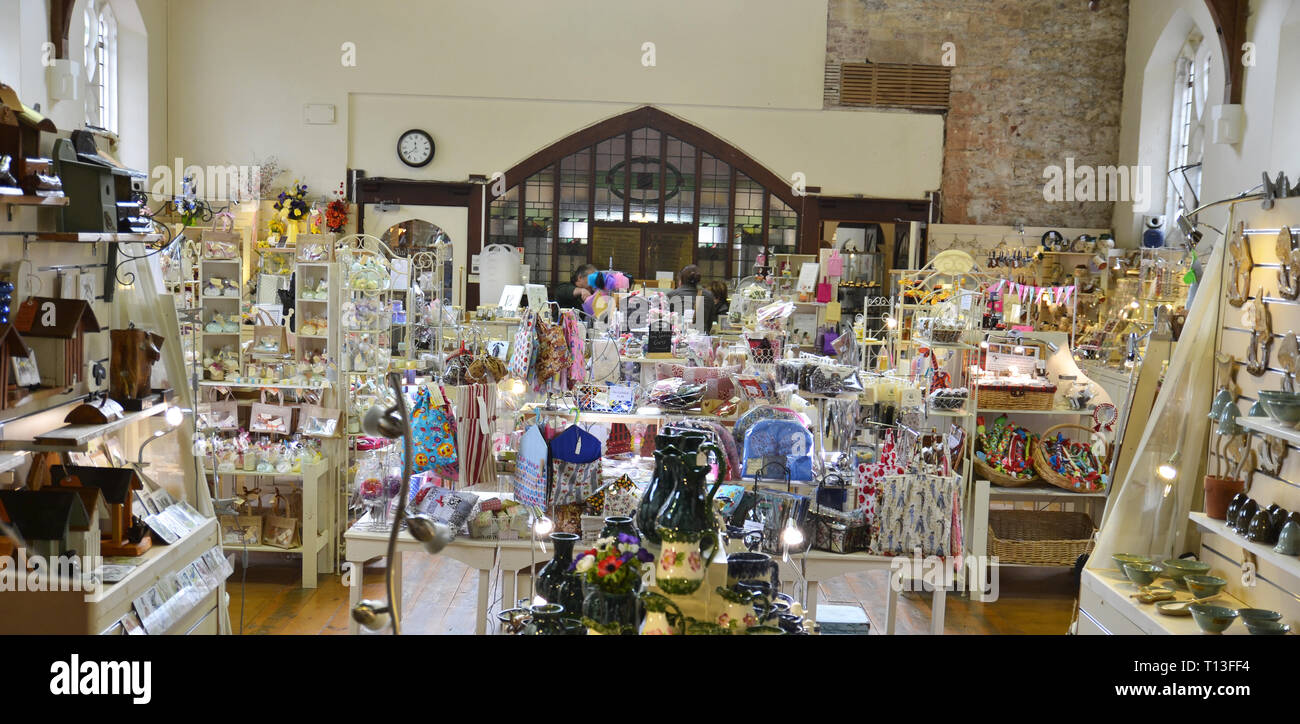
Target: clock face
{"type": "Point", "coordinates": [415, 148]}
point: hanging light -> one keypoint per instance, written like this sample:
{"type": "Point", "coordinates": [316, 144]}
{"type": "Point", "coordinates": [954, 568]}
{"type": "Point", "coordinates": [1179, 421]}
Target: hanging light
{"type": "Point", "coordinates": [543, 526]}
{"type": "Point", "coordinates": [791, 536]}
{"type": "Point", "coordinates": [1168, 470]}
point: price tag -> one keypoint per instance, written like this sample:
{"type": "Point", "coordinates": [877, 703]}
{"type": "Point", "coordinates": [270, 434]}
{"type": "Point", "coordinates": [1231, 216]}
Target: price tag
{"type": "Point", "coordinates": [620, 396]}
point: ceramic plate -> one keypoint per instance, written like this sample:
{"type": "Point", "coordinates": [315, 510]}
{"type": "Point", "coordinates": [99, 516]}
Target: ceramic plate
{"type": "Point", "coordinates": [1174, 608]}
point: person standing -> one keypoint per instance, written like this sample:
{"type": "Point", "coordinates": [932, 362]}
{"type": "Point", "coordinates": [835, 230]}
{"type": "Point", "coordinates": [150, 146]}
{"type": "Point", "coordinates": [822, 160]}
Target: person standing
{"type": "Point", "coordinates": [573, 293]}
{"type": "Point", "coordinates": [688, 288]}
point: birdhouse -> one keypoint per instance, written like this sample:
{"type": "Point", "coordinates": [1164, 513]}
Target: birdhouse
{"type": "Point", "coordinates": [116, 485]}
{"type": "Point", "coordinates": [46, 518]}
{"type": "Point", "coordinates": [131, 364]}
{"type": "Point", "coordinates": [57, 329]}
{"type": "Point", "coordinates": [85, 538]}
{"type": "Point", "coordinates": [11, 346]}
{"type": "Point", "coordinates": [7, 544]}
{"type": "Point", "coordinates": [20, 141]}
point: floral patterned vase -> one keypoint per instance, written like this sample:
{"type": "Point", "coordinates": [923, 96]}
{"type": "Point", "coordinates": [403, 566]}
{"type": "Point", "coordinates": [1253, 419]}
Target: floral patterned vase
{"type": "Point", "coordinates": [687, 530]}
{"type": "Point", "coordinates": [662, 616]}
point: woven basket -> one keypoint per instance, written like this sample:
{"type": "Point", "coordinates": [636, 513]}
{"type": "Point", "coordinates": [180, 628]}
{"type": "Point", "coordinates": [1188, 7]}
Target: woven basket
{"type": "Point", "coordinates": [1040, 538]}
{"type": "Point", "coordinates": [1045, 469]}
{"type": "Point", "coordinates": [1010, 397]}
{"type": "Point", "coordinates": [997, 477]}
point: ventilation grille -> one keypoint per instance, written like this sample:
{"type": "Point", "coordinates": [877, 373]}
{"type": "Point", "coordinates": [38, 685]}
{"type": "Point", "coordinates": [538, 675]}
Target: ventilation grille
{"type": "Point", "coordinates": [893, 85]}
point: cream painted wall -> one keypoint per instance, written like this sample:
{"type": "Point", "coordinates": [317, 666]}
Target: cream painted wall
{"type": "Point", "coordinates": [494, 82]}
{"type": "Point", "coordinates": [1228, 169]}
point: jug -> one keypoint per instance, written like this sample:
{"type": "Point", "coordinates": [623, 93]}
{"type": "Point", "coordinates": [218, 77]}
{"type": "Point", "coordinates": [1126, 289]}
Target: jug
{"type": "Point", "coordinates": [684, 443]}
{"type": "Point", "coordinates": [687, 526]}
{"type": "Point", "coordinates": [662, 616]}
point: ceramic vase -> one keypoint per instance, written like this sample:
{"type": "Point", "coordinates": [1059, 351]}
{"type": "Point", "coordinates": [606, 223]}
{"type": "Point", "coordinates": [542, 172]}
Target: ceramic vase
{"type": "Point", "coordinates": [615, 525]}
{"type": "Point", "coordinates": [687, 530]}
{"type": "Point", "coordinates": [606, 613]}
{"type": "Point", "coordinates": [554, 574]}
{"type": "Point", "coordinates": [662, 616]}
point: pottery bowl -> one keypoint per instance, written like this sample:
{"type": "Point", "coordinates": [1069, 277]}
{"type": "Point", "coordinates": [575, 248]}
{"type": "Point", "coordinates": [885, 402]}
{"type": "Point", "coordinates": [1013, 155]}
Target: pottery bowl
{"type": "Point", "coordinates": [1204, 586]}
{"type": "Point", "coordinates": [1142, 573]}
{"type": "Point", "coordinates": [1282, 410]}
{"type": "Point", "coordinates": [1173, 608]}
{"type": "Point", "coordinates": [1177, 568]}
{"type": "Point", "coordinates": [1122, 558]}
{"type": "Point", "coordinates": [1212, 619]}
{"type": "Point", "coordinates": [1266, 628]}
{"type": "Point", "coordinates": [1249, 615]}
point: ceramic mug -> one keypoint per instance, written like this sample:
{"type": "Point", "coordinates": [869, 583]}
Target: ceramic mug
{"type": "Point", "coordinates": [753, 567]}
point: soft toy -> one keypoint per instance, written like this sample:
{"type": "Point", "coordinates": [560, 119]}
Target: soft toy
{"type": "Point", "coordinates": [604, 285]}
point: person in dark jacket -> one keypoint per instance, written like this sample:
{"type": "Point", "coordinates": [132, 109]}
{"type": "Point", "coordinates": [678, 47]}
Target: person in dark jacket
{"type": "Point", "coordinates": [721, 300]}
{"type": "Point", "coordinates": [688, 288]}
{"type": "Point", "coordinates": [572, 294]}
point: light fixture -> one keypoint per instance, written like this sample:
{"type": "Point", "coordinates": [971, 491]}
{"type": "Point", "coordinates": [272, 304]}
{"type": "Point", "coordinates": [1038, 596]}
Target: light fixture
{"type": "Point", "coordinates": [792, 537]}
{"type": "Point", "coordinates": [1133, 304]}
{"type": "Point", "coordinates": [984, 344]}
{"type": "Point", "coordinates": [1168, 470]}
{"type": "Point", "coordinates": [1052, 346]}
{"type": "Point", "coordinates": [1019, 350]}
{"type": "Point", "coordinates": [372, 615]}
{"type": "Point", "coordinates": [890, 322]}
{"type": "Point", "coordinates": [174, 416]}
{"type": "Point", "coordinates": [434, 535]}
{"type": "Point", "coordinates": [543, 526]}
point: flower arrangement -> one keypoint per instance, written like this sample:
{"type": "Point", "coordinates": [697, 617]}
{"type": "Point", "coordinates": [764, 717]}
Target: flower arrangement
{"type": "Point", "coordinates": [293, 202]}
{"type": "Point", "coordinates": [614, 565]}
{"type": "Point", "coordinates": [336, 212]}
{"type": "Point", "coordinates": [188, 202]}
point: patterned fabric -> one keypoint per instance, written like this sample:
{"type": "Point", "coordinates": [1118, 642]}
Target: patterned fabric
{"type": "Point", "coordinates": [524, 350]}
{"type": "Point", "coordinates": [762, 412]}
{"type": "Point", "coordinates": [478, 405]}
{"type": "Point", "coordinates": [577, 370]}
{"type": "Point", "coordinates": [434, 432]}
{"type": "Point", "coordinates": [552, 352]}
{"type": "Point", "coordinates": [872, 475]}
{"type": "Point", "coordinates": [916, 512]}
{"type": "Point", "coordinates": [529, 483]}
{"type": "Point", "coordinates": [778, 443]}
{"type": "Point", "coordinates": [619, 441]}
{"type": "Point", "coordinates": [721, 436]}
{"type": "Point", "coordinates": [573, 483]}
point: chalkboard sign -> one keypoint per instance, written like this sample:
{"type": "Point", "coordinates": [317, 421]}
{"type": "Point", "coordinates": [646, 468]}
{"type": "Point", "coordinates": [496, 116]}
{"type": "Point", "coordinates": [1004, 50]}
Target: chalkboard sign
{"type": "Point", "coordinates": [659, 342]}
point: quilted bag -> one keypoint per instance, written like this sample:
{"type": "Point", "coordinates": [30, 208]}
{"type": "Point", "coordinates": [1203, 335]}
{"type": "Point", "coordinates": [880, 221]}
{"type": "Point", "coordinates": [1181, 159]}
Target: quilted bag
{"type": "Point", "coordinates": [772, 445]}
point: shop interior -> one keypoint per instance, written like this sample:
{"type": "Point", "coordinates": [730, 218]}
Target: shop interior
{"type": "Point", "coordinates": [643, 333]}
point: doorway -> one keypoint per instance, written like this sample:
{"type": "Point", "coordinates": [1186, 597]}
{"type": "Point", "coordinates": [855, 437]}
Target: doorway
{"type": "Point", "coordinates": [641, 250]}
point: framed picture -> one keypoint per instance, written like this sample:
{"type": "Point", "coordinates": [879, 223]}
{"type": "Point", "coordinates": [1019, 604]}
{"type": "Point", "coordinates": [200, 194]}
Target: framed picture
{"type": "Point", "coordinates": [113, 450]}
{"type": "Point", "coordinates": [26, 373]}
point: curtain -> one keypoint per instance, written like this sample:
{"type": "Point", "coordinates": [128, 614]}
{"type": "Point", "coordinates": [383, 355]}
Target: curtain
{"type": "Point", "coordinates": [1149, 516]}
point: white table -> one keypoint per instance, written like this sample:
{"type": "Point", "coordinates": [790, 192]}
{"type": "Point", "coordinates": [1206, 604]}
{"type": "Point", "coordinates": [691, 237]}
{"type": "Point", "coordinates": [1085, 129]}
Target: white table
{"type": "Point", "coordinates": [485, 555]}
{"type": "Point", "coordinates": [817, 566]}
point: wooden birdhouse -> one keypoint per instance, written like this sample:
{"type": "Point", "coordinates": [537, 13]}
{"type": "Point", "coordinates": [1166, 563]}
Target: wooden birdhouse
{"type": "Point", "coordinates": [7, 544]}
{"type": "Point", "coordinates": [20, 140]}
{"type": "Point", "coordinates": [57, 329]}
{"type": "Point", "coordinates": [11, 346]}
{"type": "Point", "coordinates": [116, 485]}
{"type": "Point", "coordinates": [46, 518]}
{"type": "Point", "coordinates": [86, 538]}
{"type": "Point", "coordinates": [131, 364]}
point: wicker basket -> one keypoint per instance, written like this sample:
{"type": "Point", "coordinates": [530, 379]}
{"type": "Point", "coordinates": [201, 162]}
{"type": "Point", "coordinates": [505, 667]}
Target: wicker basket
{"type": "Point", "coordinates": [997, 477]}
{"type": "Point", "coordinates": [1045, 469]}
{"type": "Point", "coordinates": [1014, 397]}
{"type": "Point", "coordinates": [1040, 538]}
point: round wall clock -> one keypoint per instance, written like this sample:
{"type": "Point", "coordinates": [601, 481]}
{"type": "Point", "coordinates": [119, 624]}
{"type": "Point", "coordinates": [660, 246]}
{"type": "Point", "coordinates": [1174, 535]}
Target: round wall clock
{"type": "Point", "coordinates": [415, 148]}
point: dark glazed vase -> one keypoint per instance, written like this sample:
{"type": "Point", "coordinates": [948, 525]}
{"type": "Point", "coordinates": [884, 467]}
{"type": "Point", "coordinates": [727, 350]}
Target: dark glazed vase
{"type": "Point", "coordinates": [663, 481]}
{"type": "Point", "coordinates": [619, 524]}
{"type": "Point", "coordinates": [553, 575]}
{"type": "Point", "coordinates": [611, 613]}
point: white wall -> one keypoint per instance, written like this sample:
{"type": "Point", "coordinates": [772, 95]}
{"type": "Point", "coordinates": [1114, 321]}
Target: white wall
{"type": "Point", "coordinates": [1271, 90]}
{"type": "Point", "coordinates": [494, 82]}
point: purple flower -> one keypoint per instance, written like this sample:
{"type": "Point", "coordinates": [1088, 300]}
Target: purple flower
{"type": "Point", "coordinates": [626, 557]}
{"type": "Point", "coordinates": [644, 555]}
{"type": "Point", "coordinates": [625, 538]}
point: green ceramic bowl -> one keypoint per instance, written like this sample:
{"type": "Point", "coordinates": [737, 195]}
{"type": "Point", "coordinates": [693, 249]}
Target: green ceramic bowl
{"type": "Point", "coordinates": [1177, 568]}
{"type": "Point", "coordinates": [1122, 558]}
{"type": "Point", "coordinates": [1173, 608]}
{"type": "Point", "coordinates": [1204, 586]}
{"type": "Point", "coordinates": [1212, 619]}
{"type": "Point", "coordinates": [1282, 410]}
{"type": "Point", "coordinates": [1266, 628]}
{"type": "Point", "coordinates": [1249, 615]}
{"type": "Point", "coordinates": [1142, 573]}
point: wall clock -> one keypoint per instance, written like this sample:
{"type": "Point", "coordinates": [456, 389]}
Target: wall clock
{"type": "Point", "coordinates": [415, 148]}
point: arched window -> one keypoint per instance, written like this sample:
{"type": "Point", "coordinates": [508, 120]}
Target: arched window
{"type": "Point", "coordinates": [1187, 129]}
{"type": "Point", "coordinates": [644, 192]}
{"type": "Point", "coordinates": [99, 43]}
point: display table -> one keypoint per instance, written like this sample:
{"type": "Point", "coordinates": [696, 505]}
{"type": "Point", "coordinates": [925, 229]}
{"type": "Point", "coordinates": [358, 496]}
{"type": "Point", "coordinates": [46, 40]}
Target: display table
{"type": "Point", "coordinates": [1106, 606]}
{"type": "Point", "coordinates": [817, 566]}
{"type": "Point", "coordinates": [485, 555]}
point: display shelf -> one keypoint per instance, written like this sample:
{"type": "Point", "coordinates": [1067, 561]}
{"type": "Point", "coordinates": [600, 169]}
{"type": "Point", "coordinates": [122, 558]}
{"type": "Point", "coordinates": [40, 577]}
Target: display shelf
{"type": "Point", "coordinates": [1272, 428]}
{"type": "Point", "coordinates": [247, 474]}
{"type": "Point", "coordinates": [34, 200]}
{"type": "Point", "coordinates": [260, 385]}
{"type": "Point", "coordinates": [1111, 589]}
{"type": "Point", "coordinates": [1079, 413]}
{"type": "Point", "coordinates": [950, 413]}
{"type": "Point", "coordinates": [12, 461]}
{"type": "Point", "coordinates": [1038, 491]}
{"type": "Point", "coordinates": [1289, 564]}
{"type": "Point", "coordinates": [83, 237]}
{"type": "Point", "coordinates": [76, 438]}
{"type": "Point", "coordinates": [642, 415]}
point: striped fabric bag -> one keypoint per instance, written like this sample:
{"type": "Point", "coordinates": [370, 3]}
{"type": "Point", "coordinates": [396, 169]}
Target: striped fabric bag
{"type": "Point", "coordinates": [477, 404]}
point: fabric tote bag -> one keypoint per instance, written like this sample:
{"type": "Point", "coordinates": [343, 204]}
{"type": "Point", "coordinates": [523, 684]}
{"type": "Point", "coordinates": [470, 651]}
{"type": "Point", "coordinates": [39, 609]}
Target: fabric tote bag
{"type": "Point", "coordinates": [434, 431]}
{"type": "Point", "coordinates": [575, 466]}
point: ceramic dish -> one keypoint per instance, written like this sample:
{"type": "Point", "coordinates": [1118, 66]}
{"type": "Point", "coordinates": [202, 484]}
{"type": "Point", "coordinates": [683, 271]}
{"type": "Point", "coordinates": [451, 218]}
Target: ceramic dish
{"type": "Point", "coordinates": [1212, 619]}
{"type": "Point", "coordinates": [1122, 558]}
{"type": "Point", "coordinates": [1282, 410]}
{"type": "Point", "coordinates": [1177, 568]}
{"type": "Point", "coordinates": [1266, 628]}
{"type": "Point", "coordinates": [1174, 608]}
{"type": "Point", "coordinates": [1142, 573]}
{"type": "Point", "coordinates": [1205, 586]}
{"type": "Point", "coordinates": [1258, 614]}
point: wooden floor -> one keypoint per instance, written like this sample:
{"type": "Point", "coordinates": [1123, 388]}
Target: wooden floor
{"type": "Point", "coordinates": [441, 595]}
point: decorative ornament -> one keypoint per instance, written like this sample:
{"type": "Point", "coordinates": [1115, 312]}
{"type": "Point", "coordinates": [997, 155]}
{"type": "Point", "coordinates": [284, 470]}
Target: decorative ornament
{"type": "Point", "coordinates": [1240, 265]}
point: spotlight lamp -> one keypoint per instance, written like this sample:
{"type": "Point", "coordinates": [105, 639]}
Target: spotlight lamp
{"type": "Point", "coordinates": [372, 615]}
{"type": "Point", "coordinates": [433, 535]}
{"type": "Point", "coordinates": [791, 536]}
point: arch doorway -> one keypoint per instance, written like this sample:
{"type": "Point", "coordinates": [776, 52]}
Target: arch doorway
{"type": "Point", "coordinates": [643, 192]}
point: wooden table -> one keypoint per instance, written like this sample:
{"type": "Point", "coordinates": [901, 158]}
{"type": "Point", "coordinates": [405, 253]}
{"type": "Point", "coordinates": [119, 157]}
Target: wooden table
{"type": "Point", "coordinates": [510, 556]}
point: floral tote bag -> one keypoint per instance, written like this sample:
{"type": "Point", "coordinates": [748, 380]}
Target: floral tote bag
{"type": "Point", "coordinates": [915, 511]}
{"type": "Point", "coordinates": [524, 351]}
{"type": "Point", "coordinates": [434, 432]}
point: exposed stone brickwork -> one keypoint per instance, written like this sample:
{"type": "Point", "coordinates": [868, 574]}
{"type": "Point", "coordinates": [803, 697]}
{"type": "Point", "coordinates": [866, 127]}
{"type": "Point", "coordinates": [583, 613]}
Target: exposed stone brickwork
{"type": "Point", "coordinates": [1035, 81]}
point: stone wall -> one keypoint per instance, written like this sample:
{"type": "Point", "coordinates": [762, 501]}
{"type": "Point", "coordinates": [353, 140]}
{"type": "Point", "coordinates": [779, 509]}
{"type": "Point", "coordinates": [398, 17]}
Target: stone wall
{"type": "Point", "coordinates": [1035, 81]}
